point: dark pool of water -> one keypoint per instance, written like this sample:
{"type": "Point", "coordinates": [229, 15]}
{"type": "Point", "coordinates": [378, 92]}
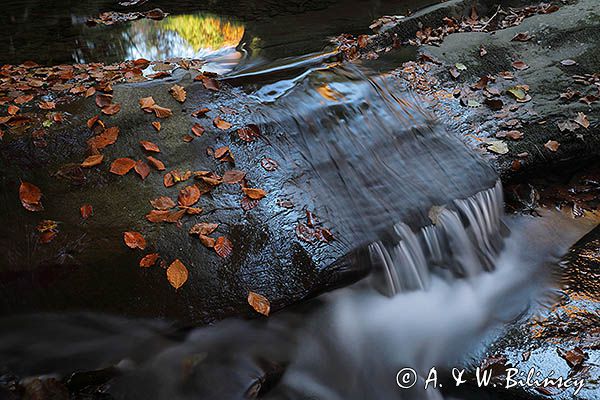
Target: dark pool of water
{"type": "Point", "coordinates": [56, 32]}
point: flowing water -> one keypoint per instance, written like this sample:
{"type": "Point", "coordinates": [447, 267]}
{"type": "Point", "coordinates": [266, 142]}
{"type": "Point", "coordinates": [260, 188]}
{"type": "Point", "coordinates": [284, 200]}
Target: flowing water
{"type": "Point", "coordinates": [445, 280]}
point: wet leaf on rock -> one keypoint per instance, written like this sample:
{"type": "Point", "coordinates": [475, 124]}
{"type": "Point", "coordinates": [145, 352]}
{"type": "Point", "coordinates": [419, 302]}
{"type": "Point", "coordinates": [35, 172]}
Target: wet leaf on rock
{"type": "Point", "coordinates": [177, 274]}
{"type": "Point", "coordinates": [259, 303]}
{"type": "Point", "coordinates": [92, 161]}
{"type": "Point", "coordinates": [161, 112]}
{"type": "Point", "coordinates": [156, 125]}
{"type": "Point", "coordinates": [197, 129]}
{"type": "Point", "coordinates": [254, 194]}
{"type": "Point", "coordinates": [269, 164]}
{"type": "Point", "coordinates": [233, 176]}
{"type": "Point", "coordinates": [203, 228]}
{"type": "Point", "coordinates": [142, 169]}
{"type": "Point", "coordinates": [521, 37]}
{"type": "Point", "coordinates": [48, 230]}
{"type": "Point", "coordinates": [156, 163]}
{"type": "Point", "coordinates": [552, 145]}
{"type": "Point", "coordinates": [12, 110]}
{"type": "Point", "coordinates": [104, 100]}
{"type": "Point", "coordinates": [149, 146]}
{"type": "Point", "coordinates": [188, 196]}
{"type": "Point", "coordinates": [221, 123]}
{"type": "Point", "coordinates": [111, 109]}
{"type": "Point", "coordinates": [121, 166]}
{"type": "Point", "coordinates": [520, 65]}
{"type": "Point", "coordinates": [30, 196]}
{"type": "Point", "coordinates": [149, 260]}
{"type": "Point", "coordinates": [582, 120]}
{"type": "Point", "coordinates": [47, 105]}
{"type": "Point", "coordinates": [146, 103]}
{"type": "Point", "coordinates": [223, 247]}
{"type": "Point", "coordinates": [498, 147]}
{"type": "Point", "coordinates": [134, 240]}
{"type": "Point", "coordinates": [86, 211]}
{"type": "Point", "coordinates": [574, 358]}
{"type": "Point", "coordinates": [200, 112]}
{"type": "Point", "coordinates": [223, 154]}
{"type": "Point", "coordinates": [162, 203]}
{"type": "Point", "coordinates": [249, 133]}
{"type": "Point", "coordinates": [178, 93]}
{"type": "Point", "coordinates": [248, 204]}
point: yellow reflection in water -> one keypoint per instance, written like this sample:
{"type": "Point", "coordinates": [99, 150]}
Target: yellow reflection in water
{"type": "Point", "coordinates": [202, 31]}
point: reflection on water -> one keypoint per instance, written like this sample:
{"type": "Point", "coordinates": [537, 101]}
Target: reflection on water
{"type": "Point", "coordinates": [188, 36]}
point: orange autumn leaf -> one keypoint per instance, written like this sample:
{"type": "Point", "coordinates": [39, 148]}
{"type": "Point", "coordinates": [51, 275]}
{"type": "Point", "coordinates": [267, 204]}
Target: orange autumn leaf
{"type": "Point", "coordinates": [149, 260]}
{"type": "Point", "coordinates": [156, 163]}
{"type": "Point", "coordinates": [106, 138]}
{"type": "Point", "coordinates": [259, 303]}
{"type": "Point", "coordinates": [111, 109]}
{"type": "Point", "coordinates": [165, 216]}
{"type": "Point", "coordinates": [178, 93]}
{"type": "Point", "coordinates": [93, 121]}
{"type": "Point", "coordinates": [149, 146]}
{"type": "Point", "coordinates": [156, 125]}
{"type": "Point", "coordinates": [177, 274]}
{"type": "Point", "coordinates": [223, 247]}
{"type": "Point", "coordinates": [146, 102]}
{"type": "Point", "coordinates": [121, 166]}
{"type": "Point", "coordinates": [142, 169]}
{"type": "Point", "coordinates": [103, 100]}
{"type": "Point", "coordinates": [134, 240]}
{"type": "Point", "coordinates": [189, 195]}
{"type": "Point", "coordinates": [203, 228]}
{"type": "Point", "coordinates": [90, 92]}
{"type": "Point", "coordinates": [254, 194]}
{"type": "Point", "coordinates": [30, 196]}
{"type": "Point", "coordinates": [223, 154]}
{"type": "Point", "coordinates": [13, 110]}
{"type": "Point", "coordinates": [200, 112]}
{"type": "Point", "coordinates": [233, 176]}
{"type": "Point", "coordinates": [92, 161]}
{"type": "Point", "coordinates": [552, 145]}
{"type": "Point", "coordinates": [221, 124]}
{"type": "Point", "coordinates": [47, 105]}
{"type": "Point", "coordinates": [86, 211]}
{"type": "Point", "coordinates": [197, 129]}
{"type": "Point", "coordinates": [210, 83]}
{"type": "Point", "coordinates": [162, 203]}
{"type": "Point", "coordinates": [207, 241]}
{"type": "Point", "coordinates": [26, 98]}
{"type": "Point", "coordinates": [161, 112]}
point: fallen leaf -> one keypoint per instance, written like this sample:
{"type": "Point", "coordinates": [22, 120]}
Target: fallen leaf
{"type": "Point", "coordinates": [247, 203]}
{"type": "Point", "coordinates": [582, 120]}
{"type": "Point", "coordinates": [188, 196]}
{"type": "Point", "coordinates": [517, 92]}
{"type": "Point", "coordinates": [259, 303]}
{"type": "Point", "coordinates": [156, 125]}
{"type": "Point", "coordinates": [147, 103]}
{"type": "Point", "coordinates": [104, 100]}
{"type": "Point", "coordinates": [200, 112]}
{"type": "Point", "coordinates": [30, 196]}
{"type": "Point", "coordinates": [161, 112]}
{"type": "Point", "coordinates": [93, 121]}
{"type": "Point", "coordinates": [223, 247]}
{"type": "Point", "coordinates": [47, 105]}
{"type": "Point", "coordinates": [574, 358]}
{"type": "Point", "coordinates": [23, 99]}
{"type": "Point", "coordinates": [221, 124]}
{"type": "Point", "coordinates": [177, 274]}
{"type": "Point", "coordinates": [203, 228]}
{"type": "Point", "coordinates": [254, 194]}
{"type": "Point", "coordinates": [249, 133]}
{"type": "Point", "coordinates": [552, 145]}
{"type": "Point", "coordinates": [121, 166]}
{"type": "Point", "coordinates": [482, 51]}
{"type": "Point", "coordinates": [12, 110]}
{"type": "Point", "coordinates": [111, 109]}
{"type": "Point", "coordinates": [48, 230]}
{"type": "Point", "coordinates": [142, 169]}
{"type": "Point", "coordinates": [207, 241]}
{"type": "Point", "coordinates": [90, 92]}
{"type": "Point", "coordinates": [197, 129]}
{"type": "Point", "coordinates": [149, 260]}
{"type": "Point", "coordinates": [149, 146]}
{"type": "Point", "coordinates": [498, 147]}
{"type": "Point", "coordinates": [223, 154]}
{"type": "Point", "coordinates": [86, 211]}
{"type": "Point", "coordinates": [210, 83]}
{"type": "Point", "coordinates": [134, 240]}
{"type": "Point", "coordinates": [520, 65]}
{"type": "Point", "coordinates": [233, 176]}
{"type": "Point", "coordinates": [567, 126]}
{"type": "Point", "coordinates": [178, 93]}
{"type": "Point", "coordinates": [92, 161]}
{"type": "Point", "coordinates": [156, 163]}
{"type": "Point", "coordinates": [269, 164]}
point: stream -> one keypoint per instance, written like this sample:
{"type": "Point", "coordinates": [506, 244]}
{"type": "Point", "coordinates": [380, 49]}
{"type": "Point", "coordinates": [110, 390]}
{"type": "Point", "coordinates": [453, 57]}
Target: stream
{"type": "Point", "coordinates": [421, 215]}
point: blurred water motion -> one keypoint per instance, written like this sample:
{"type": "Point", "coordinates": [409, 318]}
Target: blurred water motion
{"type": "Point", "coordinates": [187, 36]}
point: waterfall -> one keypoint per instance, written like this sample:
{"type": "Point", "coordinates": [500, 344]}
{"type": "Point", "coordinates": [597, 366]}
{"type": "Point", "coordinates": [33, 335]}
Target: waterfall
{"type": "Point", "coordinates": [465, 239]}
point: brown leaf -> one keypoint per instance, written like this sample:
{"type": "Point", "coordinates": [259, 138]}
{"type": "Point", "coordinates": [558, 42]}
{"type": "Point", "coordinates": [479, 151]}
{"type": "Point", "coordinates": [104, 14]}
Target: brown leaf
{"type": "Point", "coordinates": [13, 110]}
{"type": "Point", "coordinates": [178, 93]}
{"type": "Point", "coordinates": [269, 164]}
{"type": "Point", "coordinates": [142, 169]}
{"type": "Point", "coordinates": [192, 210]}
{"type": "Point", "coordinates": [93, 121]}
{"type": "Point", "coordinates": [221, 123]}
{"type": "Point", "coordinates": [582, 120]}
{"type": "Point", "coordinates": [223, 154]}
{"type": "Point", "coordinates": [210, 83]}
{"type": "Point", "coordinates": [207, 241]}
{"type": "Point", "coordinates": [520, 65]}
{"type": "Point", "coordinates": [149, 146]}
{"type": "Point", "coordinates": [92, 161]}
{"type": "Point", "coordinates": [259, 303]}
{"type": "Point", "coordinates": [156, 125]}
{"type": "Point", "coordinates": [177, 274]}
{"type": "Point", "coordinates": [26, 98]}
{"type": "Point", "coordinates": [188, 196]}
{"type": "Point", "coordinates": [203, 228]}
{"type": "Point", "coordinates": [86, 211]}
{"type": "Point", "coordinates": [233, 176]}
{"type": "Point", "coordinates": [552, 145]}
{"type": "Point", "coordinates": [187, 138]}
{"type": "Point", "coordinates": [149, 260]}
{"type": "Point", "coordinates": [111, 109]}
{"type": "Point", "coordinates": [254, 194]}
{"type": "Point", "coordinates": [30, 196]}
{"type": "Point", "coordinates": [249, 133]}
{"type": "Point", "coordinates": [521, 37]}
{"type": "Point", "coordinates": [104, 100]}
{"type": "Point", "coordinates": [162, 203]}
{"type": "Point", "coordinates": [247, 203]}
{"type": "Point", "coordinates": [200, 112]}
{"type": "Point", "coordinates": [134, 240]}
{"type": "Point", "coordinates": [90, 92]}
{"type": "Point", "coordinates": [121, 166]}
{"type": "Point", "coordinates": [156, 163]}
{"type": "Point", "coordinates": [223, 247]}
{"type": "Point", "coordinates": [57, 117]}
{"type": "Point", "coordinates": [197, 129]}
{"type": "Point", "coordinates": [147, 102]}
{"type": "Point", "coordinates": [47, 105]}
{"type": "Point", "coordinates": [161, 112]}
